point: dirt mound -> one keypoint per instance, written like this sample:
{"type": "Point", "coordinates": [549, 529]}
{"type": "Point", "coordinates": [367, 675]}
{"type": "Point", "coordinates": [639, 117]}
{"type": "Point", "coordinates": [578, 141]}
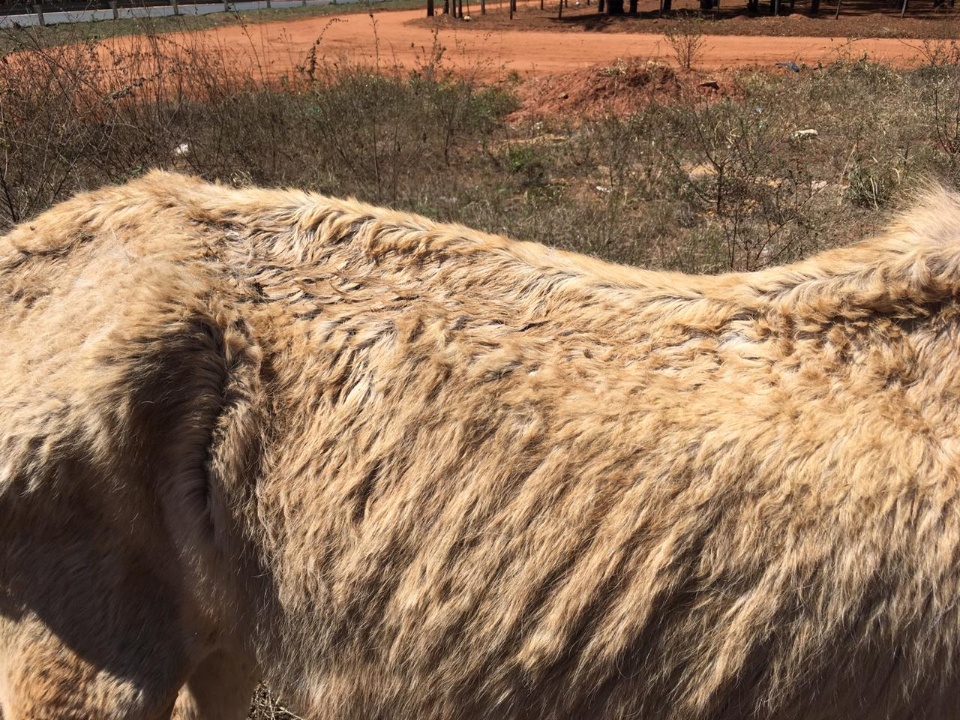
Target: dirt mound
{"type": "Point", "coordinates": [620, 88]}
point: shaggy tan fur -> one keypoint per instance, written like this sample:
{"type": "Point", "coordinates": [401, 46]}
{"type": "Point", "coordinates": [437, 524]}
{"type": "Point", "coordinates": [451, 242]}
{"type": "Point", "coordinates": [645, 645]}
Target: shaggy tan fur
{"type": "Point", "coordinates": [406, 470]}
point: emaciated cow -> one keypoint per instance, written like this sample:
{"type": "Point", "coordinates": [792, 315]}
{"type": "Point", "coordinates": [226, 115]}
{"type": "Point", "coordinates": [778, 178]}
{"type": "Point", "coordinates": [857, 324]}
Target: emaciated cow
{"type": "Point", "coordinates": [400, 469]}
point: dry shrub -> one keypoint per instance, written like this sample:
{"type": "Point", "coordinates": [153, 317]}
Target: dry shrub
{"type": "Point", "coordinates": [384, 131]}
{"type": "Point", "coordinates": [76, 116]}
{"type": "Point", "coordinates": [686, 40]}
{"type": "Point", "coordinates": [731, 184]}
{"type": "Point", "coordinates": [79, 116]}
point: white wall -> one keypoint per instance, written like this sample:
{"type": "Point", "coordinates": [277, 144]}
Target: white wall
{"type": "Point", "coordinates": [55, 18]}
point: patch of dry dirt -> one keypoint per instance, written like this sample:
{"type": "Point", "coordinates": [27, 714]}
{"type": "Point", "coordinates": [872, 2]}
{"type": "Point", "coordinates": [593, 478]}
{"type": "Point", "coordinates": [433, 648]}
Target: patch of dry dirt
{"type": "Point", "coordinates": [619, 88]}
{"type": "Point", "coordinates": [405, 39]}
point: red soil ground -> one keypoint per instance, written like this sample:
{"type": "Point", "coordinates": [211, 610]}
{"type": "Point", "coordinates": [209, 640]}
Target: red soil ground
{"type": "Point", "coordinates": [407, 38]}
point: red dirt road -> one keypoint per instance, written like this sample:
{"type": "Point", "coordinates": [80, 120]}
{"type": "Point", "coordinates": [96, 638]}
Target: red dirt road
{"type": "Point", "coordinates": [358, 37]}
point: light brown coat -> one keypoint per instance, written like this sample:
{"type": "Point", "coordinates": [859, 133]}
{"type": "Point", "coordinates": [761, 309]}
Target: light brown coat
{"type": "Point", "coordinates": [408, 470]}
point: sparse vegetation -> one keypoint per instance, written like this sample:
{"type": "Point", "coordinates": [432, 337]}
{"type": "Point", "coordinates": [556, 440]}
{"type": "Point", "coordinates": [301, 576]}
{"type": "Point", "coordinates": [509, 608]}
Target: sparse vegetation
{"type": "Point", "coordinates": [775, 168]}
{"type": "Point", "coordinates": [689, 181]}
{"type": "Point", "coordinates": [686, 41]}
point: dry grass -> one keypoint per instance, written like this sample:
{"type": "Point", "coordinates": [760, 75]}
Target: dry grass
{"type": "Point", "coordinates": [693, 184]}
{"type": "Point", "coordinates": [266, 707]}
